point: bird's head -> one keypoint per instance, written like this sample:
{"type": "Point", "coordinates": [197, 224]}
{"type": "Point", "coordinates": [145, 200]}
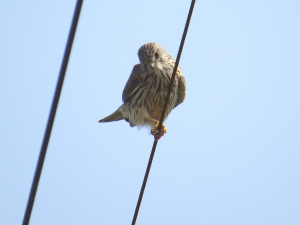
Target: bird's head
{"type": "Point", "coordinates": [151, 54]}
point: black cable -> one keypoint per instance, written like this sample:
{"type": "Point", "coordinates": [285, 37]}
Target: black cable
{"type": "Point", "coordinates": [51, 117]}
{"type": "Point", "coordinates": [163, 113]}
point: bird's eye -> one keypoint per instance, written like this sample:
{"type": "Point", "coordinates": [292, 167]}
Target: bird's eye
{"type": "Point", "coordinates": [156, 55]}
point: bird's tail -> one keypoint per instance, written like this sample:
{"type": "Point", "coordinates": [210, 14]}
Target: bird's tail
{"type": "Point", "coordinates": [117, 115]}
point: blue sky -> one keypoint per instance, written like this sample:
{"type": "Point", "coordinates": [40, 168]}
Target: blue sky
{"type": "Point", "coordinates": [231, 154]}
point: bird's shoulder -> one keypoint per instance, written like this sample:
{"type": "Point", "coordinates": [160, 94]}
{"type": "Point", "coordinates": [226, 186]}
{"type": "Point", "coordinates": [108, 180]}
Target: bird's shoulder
{"type": "Point", "coordinates": [133, 81]}
{"type": "Point", "coordinates": [181, 91]}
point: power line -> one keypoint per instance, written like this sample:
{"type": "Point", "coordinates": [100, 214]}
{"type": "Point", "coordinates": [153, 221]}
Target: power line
{"type": "Point", "coordinates": [163, 113]}
{"type": "Point", "coordinates": [51, 117]}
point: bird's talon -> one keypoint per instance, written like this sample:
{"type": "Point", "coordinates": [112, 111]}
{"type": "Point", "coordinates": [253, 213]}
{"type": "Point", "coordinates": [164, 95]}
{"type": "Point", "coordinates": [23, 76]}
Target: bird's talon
{"type": "Point", "coordinates": [155, 132]}
{"type": "Point", "coordinates": [158, 133]}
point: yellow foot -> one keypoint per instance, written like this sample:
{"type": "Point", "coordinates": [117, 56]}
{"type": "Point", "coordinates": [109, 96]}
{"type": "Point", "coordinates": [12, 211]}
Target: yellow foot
{"type": "Point", "coordinates": [158, 134]}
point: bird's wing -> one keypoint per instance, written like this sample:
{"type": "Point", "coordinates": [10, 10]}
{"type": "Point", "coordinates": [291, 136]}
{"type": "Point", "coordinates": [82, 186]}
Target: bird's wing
{"type": "Point", "coordinates": [133, 83]}
{"type": "Point", "coordinates": [181, 91]}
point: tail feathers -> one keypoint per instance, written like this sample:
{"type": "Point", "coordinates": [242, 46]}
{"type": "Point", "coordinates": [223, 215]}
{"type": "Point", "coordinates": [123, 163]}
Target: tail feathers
{"type": "Point", "coordinates": [117, 115]}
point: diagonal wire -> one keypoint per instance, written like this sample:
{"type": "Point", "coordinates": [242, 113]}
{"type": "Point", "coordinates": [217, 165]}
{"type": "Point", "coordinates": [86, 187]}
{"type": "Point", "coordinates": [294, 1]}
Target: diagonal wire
{"type": "Point", "coordinates": [55, 101]}
{"type": "Point", "coordinates": [163, 113]}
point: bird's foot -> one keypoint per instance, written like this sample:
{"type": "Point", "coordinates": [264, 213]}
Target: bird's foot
{"type": "Point", "coordinates": [158, 133]}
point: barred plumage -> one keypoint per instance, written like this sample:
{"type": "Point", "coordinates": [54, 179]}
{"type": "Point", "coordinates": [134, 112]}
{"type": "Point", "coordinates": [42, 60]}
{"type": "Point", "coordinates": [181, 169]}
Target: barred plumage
{"type": "Point", "coordinates": [146, 89]}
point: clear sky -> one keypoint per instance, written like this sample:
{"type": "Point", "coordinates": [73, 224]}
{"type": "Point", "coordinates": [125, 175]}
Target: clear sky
{"type": "Point", "coordinates": [232, 151]}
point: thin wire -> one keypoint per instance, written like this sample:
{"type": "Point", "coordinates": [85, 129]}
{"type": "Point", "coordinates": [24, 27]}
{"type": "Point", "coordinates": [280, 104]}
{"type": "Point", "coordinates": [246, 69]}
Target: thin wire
{"type": "Point", "coordinates": [163, 113]}
{"type": "Point", "coordinates": [144, 183]}
{"type": "Point", "coordinates": [51, 117]}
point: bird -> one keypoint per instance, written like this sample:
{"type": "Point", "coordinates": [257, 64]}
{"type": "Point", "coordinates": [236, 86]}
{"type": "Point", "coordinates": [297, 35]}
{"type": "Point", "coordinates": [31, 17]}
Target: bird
{"type": "Point", "coordinates": [145, 92]}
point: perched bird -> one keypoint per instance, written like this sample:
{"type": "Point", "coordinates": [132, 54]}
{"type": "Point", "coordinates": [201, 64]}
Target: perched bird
{"type": "Point", "coordinates": [145, 92]}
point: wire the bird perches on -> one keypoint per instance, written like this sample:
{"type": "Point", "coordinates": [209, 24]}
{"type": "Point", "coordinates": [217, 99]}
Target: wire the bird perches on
{"type": "Point", "coordinates": [163, 113]}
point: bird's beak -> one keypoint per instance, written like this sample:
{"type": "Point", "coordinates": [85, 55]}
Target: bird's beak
{"type": "Point", "coordinates": [152, 65]}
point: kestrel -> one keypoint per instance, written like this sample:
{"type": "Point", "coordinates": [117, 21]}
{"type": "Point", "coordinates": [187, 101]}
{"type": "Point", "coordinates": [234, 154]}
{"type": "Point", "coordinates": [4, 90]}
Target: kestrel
{"type": "Point", "coordinates": [145, 92]}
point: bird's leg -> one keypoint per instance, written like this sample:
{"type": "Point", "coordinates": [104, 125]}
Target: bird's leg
{"type": "Point", "coordinates": [158, 133]}
{"type": "Point", "coordinates": [155, 132]}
